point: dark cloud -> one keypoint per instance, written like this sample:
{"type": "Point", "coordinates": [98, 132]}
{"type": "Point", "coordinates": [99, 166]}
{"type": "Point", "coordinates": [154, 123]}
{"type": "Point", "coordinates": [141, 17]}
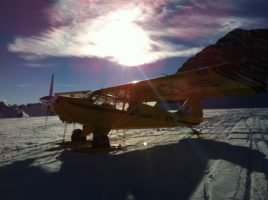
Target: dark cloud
{"type": "Point", "coordinates": [25, 17]}
{"type": "Point", "coordinates": [256, 8]}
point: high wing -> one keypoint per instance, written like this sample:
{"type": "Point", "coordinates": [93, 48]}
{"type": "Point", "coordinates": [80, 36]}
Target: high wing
{"type": "Point", "coordinates": [221, 80]}
{"type": "Point", "coordinates": [74, 94]}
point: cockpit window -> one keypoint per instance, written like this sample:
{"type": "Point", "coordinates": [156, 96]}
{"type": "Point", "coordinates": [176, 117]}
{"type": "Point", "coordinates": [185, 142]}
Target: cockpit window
{"type": "Point", "coordinates": [109, 101]}
{"type": "Point", "coordinates": [121, 105]}
{"type": "Point", "coordinates": [102, 100]}
{"type": "Point", "coordinates": [98, 100]}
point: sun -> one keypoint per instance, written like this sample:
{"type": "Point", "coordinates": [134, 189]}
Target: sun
{"type": "Point", "coordinates": [123, 40]}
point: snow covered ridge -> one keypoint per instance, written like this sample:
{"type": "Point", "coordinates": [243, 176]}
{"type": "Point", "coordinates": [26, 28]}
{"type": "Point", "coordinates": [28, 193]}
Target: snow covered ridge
{"type": "Point", "coordinates": [29, 110]}
{"type": "Point", "coordinates": [247, 48]}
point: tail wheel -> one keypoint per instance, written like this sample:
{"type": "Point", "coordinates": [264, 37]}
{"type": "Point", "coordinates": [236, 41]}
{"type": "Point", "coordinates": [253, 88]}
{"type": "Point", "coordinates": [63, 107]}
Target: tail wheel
{"type": "Point", "coordinates": [77, 136]}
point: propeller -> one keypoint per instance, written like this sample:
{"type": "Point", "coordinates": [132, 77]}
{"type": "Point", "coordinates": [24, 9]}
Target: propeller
{"type": "Point", "coordinates": [48, 100]}
{"type": "Point", "coordinates": [51, 86]}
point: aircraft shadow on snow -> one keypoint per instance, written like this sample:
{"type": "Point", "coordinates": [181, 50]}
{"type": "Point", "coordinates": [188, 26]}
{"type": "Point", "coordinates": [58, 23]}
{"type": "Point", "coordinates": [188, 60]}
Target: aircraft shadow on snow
{"type": "Point", "coordinates": [161, 172]}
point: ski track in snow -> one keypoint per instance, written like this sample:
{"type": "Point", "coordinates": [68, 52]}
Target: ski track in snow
{"type": "Point", "coordinates": [228, 161]}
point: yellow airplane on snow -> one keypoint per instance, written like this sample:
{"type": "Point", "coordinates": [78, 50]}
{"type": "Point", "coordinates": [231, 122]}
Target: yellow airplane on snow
{"type": "Point", "coordinates": [136, 105]}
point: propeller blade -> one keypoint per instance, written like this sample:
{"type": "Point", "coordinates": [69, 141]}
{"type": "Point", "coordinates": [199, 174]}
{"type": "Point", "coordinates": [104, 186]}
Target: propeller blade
{"type": "Point", "coordinates": [47, 100]}
{"type": "Point", "coordinates": [51, 86]}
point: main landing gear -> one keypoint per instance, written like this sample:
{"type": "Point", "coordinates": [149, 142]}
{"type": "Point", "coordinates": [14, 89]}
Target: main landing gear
{"type": "Point", "coordinates": [100, 137]}
{"type": "Point", "coordinates": [77, 136]}
{"type": "Point", "coordinates": [100, 141]}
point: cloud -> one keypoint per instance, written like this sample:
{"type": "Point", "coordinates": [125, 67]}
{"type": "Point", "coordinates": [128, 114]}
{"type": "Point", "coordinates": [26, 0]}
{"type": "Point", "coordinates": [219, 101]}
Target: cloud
{"type": "Point", "coordinates": [130, 33]}
{"type": "Point", "coordinates": [23, 85]}
{"type": "Point", "coordinates": [39, 65]}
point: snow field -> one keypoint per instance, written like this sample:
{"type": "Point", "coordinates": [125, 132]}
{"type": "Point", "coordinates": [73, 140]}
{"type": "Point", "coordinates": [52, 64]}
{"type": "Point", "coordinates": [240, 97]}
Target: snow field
{"type": "Point", "coordinates": [228, 161]}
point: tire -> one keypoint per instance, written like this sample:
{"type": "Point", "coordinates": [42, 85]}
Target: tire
{"type": "Point", "coordinates": [77, 136]}
{"type": "Point", "coordinates": [100, 141]}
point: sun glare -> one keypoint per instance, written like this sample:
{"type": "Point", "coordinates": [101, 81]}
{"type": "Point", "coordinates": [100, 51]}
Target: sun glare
{"type": "Point", "coordinates": [123, 40]}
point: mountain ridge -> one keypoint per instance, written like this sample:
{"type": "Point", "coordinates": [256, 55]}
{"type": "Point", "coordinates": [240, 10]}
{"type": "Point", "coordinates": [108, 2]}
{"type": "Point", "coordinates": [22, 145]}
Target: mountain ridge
{"type": "Point", "coordinates": [247, 48]}
{"type": "Point", "coordinates": [28, 110]}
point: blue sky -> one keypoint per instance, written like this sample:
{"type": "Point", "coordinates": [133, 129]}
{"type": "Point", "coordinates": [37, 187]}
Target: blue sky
{"type": "Point", "coordinates": [90, 44]}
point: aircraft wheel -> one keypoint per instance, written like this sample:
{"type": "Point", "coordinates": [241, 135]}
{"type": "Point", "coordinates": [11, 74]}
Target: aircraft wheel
{"type": "Point", "coordinates": [77, 136]}
{"type": "Point", "coordinates": [100, 141]}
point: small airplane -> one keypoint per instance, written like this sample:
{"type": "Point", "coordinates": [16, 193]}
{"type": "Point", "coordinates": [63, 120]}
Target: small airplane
{"type": "Point", "coordinates": [137, 105]}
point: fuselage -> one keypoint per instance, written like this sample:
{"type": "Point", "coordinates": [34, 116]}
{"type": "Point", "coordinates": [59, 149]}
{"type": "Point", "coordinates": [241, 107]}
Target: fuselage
{"type": "Point", "coordinates": [86, 112]}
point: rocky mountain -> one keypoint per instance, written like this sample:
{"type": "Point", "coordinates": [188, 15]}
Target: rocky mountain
{"type": "Point", "coordinates": [29, 110]}
{"type": "Point", "coordinates": [7, 111]}
{"type": "Point", "coordinates": [248, 48]}
{"type": "Point", "coordinates": [34, 109]}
